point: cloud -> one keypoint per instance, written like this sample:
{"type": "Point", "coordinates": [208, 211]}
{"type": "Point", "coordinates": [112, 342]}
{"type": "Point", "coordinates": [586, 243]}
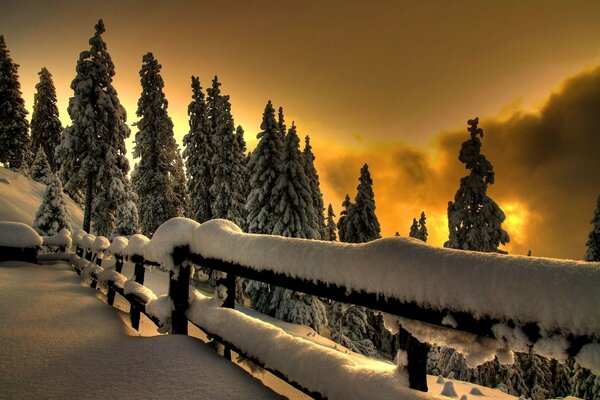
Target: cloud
{"type": "Point", "coordinates": [547, 167]}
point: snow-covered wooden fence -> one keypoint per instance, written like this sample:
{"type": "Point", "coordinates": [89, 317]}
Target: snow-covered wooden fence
{"type": "Point", "coordinates": [481, 304]}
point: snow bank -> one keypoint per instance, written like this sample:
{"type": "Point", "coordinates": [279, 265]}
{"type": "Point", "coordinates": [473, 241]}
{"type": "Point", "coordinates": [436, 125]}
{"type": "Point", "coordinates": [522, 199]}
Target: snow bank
{"type": "Point", "coordinates": [17, 234]}
{"type": "Point", "coordinates": [327, 371]}
{"type": "Point", "coordinates": [110, 275]}
{"type": "Point", "coordinates": [557, 294]}
{"type": "Point", "coordinates": [171, 234]}
{"type": "Point", "coordinates": [118, 245]}
{"type": "Point", "coordinates": [63, 238]}
{"type": "Point", "coordinates": [87, 241]}
{"type": "Point", "coordinates": [139, 291]}
{"type": "Point", "coordinates": [161, 308]}
{"type": "Point", "coordinates": [136, 245]}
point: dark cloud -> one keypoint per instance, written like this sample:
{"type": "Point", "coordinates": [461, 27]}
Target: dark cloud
{"type": "Point", "coordinates": [547, 166]}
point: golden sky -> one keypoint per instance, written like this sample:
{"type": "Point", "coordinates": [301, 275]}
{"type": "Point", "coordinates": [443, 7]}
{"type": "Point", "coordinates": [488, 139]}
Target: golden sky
{"type": "Point", "coordinates": [391, 83]}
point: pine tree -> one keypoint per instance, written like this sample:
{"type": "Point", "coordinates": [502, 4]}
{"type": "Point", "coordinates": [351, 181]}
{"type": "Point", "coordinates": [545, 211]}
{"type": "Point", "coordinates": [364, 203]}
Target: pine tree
{"type": "Point", "coordinates": [52, 216]}
{"type": "Point", "coordinates": [414, 229]}
{"type": "Point", "coordinates": [474, 219]}
{"type": "Point", "coordinates": [343, 226]}
{"type": "Point", "coordinates": [45, 124]}
{"type": "Point", "coordinates": [155, 177]}
{"type": "Point", "coordinates": [40, 169]}
{"type": "Point", "coordinates": [244, 176]}
{"type": "Point", "coordinates": [198, 155]}
{"type": "Point", "coordinates": [315, 187]}
{"type": "Point", "coordinates": [363, 225]}
{"type": "Point", "coordinates": [560, 379]}
{"type": "Point", "coordinates": [593, 243]}
{"type": "Point", "coordinates": [15, 151]}
{"type": "Point", "coordinates": [422, 227]}
{"type": "Point", "coordinates": [330, 232]}
{"type": "Point", "coordinates": [349, 327]}
{"type": "Point", "coordinates": [281, 122]}
{"type": "Point", "coordinates": [227, 165]}
{"type": "Point", "coordinates": [537, 375]}
{"type": "Point", "coordinates": [92, 151]}
{"type": "Point", "coordinates": [584, 384]}
{"type": "Point", "coordinates": [265, 165]}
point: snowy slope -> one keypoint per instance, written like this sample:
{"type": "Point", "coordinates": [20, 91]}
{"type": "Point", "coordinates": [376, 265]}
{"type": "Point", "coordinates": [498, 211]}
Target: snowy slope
{"type": "Point", "coordinates": [59, 341]}
{"type": "Point", "coordinates": [20, 198]}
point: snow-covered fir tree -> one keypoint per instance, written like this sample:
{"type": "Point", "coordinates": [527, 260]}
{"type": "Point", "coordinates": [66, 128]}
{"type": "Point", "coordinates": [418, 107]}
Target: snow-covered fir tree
{"type": "Point", "coordinates": [474, 219]}
{"type": "Point", "coordinates": [198, 154]}
{"type": "Point", "coordinates": [227, 166]}
{"type": "Point", "coordinates": [52, 216]}
{"type": "Point", "coordinates": [362, 223]}
{"type": "Point", "coordinates": [15, 146]}
{"type": "Point", "coordinates": [414, 229]}
{"type": "Point", "coordinates": [593, 243]}
{"type": "Point", "coordinates": [584, 384]}
{"type": "Point", "coordinates": [349, 327]}
{"type": "Point", "coordinates": [315, 186]}
{"type": "Point", "coordinates": [154, 178]}
{"type": "Point", "coordinates": [92, 151]}
{"type": "Point", "coordinates": [40, 169]}
{"type": "Point", "coordinates": [46, 127]}
{"type": "Point", "coordinates": [244, 184]}
{"type": "Point", "coordinates": [537, 375]}
{"type": "Point", "coordinates": [418, 229]}
{"type": "Point", "coordinates": [331, 226]}
{"type": "Point", "coordinates": [560, 378]}
{"type": "Point", "coordinates": [265, 164]}
{"type": "Point", "coordinates": [281, 122]}
{"type": "Point", "coordinates": [343, 226]}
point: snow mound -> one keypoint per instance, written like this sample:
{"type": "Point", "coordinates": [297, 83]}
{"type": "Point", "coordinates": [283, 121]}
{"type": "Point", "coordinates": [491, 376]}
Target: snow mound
{"type": "Point", "coordinates": [63, 238]}
{"type": "Point", "coordinates": [173, 233]}
{"type": "Point", "coordinates": [139, 291]}
{"type": "Point", "coordinates": [136, 245]}
{"type": "Point", "coordinates": [78, 236]}
{"type": "Point", "coordinates": [118, 245]}
{"type": "Point", "coordinates": [87, 241]}
{"type": "Point", "coordinates": [476, 392]}
{"type": "Point", "coordinates": [100, 244]}
{"type": "Point", "coordinates": [110, 275]}
{"type": "Point", "coordinates": [532, 289]}
{"type": "Point", "coordinates": [161, 308]}
{"type": "Point", "coordinates": [17, 234]}
{"type": "Point", "coordinates": [449, 389]}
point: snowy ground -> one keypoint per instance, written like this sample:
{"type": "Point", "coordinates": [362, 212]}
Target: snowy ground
{"type": "Point", "coordinates": [57, 340]}
{"type": "Point", "coordinates": [20, 198]}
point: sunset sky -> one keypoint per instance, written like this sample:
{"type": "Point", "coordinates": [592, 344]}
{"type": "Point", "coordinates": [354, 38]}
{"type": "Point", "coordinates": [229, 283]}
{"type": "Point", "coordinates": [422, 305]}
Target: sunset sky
{"type": "Point", "coordinates": [391, 84]}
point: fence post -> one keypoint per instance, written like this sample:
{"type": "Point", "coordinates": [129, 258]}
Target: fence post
{"type": "Point", "coordinates": [98, 262]}
{"type": "Point", "coordinates": [110, 299]}
{"type": "Point", "coordinates": [179, 291]}
{"type": "Point", "coordinates": [139, 274]}
{"type": "Point", "coordinates": [228, 302]}
{"type": "Point", "coordinates": [417, 359]}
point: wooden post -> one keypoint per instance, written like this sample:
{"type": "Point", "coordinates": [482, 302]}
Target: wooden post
{"type": "Point", "coordinates": [78, 251]}
{"type": "Point", "coordinates": [138, 275]}
{"type": "Point", "coordinates": [110, 299]}
{"type": "Point", "coordinates": [98, 262]}
{"type": "Point", "coordinates": [179, 291]}
{"type": "Point", "coordinates": [229, 302]}
{"type": "Point", "coordinates": [417, 359]}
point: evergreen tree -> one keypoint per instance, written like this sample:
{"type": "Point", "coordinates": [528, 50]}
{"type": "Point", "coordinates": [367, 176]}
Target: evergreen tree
{"type": "Point", "coordinates": [349, 327]}
{"type": "Point", "coordinates": [281, 122]}
{"type": "Point", "coordinates": [264, 165]}
{"type": "Point", "coordinates": [584, 384]}
{"type": "Point", "coordinates": [155, 177]}
{"type": "Point", "coordinates": [343, 226]}
{"type": "Point", "coordinates": [593, 243]}
{"type": "Point", "coordinates": [560, 378]}
{"type": "Point", "coordinates": [414, 229]}
{"type": "Point", "coordinates": [92, 151]}
{"type": "Point", "coordinates": [474, 219]}
{"type": "Point", "coordinates": [40, 169]}
{"type": "Point", "coordinates": [537, 375]}
{"type": "Point", "coordinates": [363, 225]}
{"type": "Point", "coordinates": [15, 152]}
{"type": "Point", "coordinates": [45, 125]}
{"type": "Point", "coordinates": [330, 232]}
{"type": "Point", "coordinates": [244, 177]}
{"type": "Point", "coordinates": [198, 155]}
{"type": "Point", "coordinates": [315, 187]}
{"type": "Point", "coordinates": [52, 216]}
{"type": "Point", "coordinates": [422, 227]}
{"type": "Point", "coordinates": [227, 189]}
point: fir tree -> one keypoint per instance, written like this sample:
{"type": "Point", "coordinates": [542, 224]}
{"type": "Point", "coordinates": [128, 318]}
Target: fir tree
{"type": "Point", "coordinates": [343, 226]}
{"type": "Point", "coordinates": [244, 177]}
{"type": "Point", "coordinates": [474, 219]}
{"type": "Point", "coordinates": [537, 375]}
{"type": "Point", "coordinates": [15, 152]}
{"type": "Point", "coordinates": [363, 225]}
{"type": "Point", "coordinates": [349, 327]}
{"type": "Point", "coordinates": [40, 169]}
{"type": "Point", "coordinates": [52, 216]}
{"type": "Point", "coordinates": [155, 177]}
{"type": "Point", "coordinates": [330, 232]}
{"type": "Point", "coordinates": [92, 151]}
{"type": "Point", "coordinates": [281, 122]}
{"type": "Point", "coordinates": [264, 165]}
{"type": "Point", "coordinates": [414, 229]}
{"type": "Point", "coordinates": [198, 155]}
{"type": "Point", "coordinates": [422, 227]}
{"type": "Point", "coordinates": [45, 125]}
{"type": "Point", "coordinates": [593, 243]}
{"type": "Point", "coordinates": [560, 378]}
{"type": "Point", "coordinates": [227, 189]}
{"type": "Point", "coordinates": [315, 187]}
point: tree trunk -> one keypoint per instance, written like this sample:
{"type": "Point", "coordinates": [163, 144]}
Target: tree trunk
{"type": "Point", "coordinates": [87, 215]}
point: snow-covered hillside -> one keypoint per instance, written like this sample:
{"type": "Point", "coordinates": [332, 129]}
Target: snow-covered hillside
{"type": "Point", "coordinates": [20, 198]}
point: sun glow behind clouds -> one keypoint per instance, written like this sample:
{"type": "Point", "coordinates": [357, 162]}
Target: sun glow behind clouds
{"type": "Point", "coordinates": [516, 222]}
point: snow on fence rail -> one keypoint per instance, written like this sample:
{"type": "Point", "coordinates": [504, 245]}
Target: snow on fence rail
{"type": "Point", "coordinates": [435, 294]}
